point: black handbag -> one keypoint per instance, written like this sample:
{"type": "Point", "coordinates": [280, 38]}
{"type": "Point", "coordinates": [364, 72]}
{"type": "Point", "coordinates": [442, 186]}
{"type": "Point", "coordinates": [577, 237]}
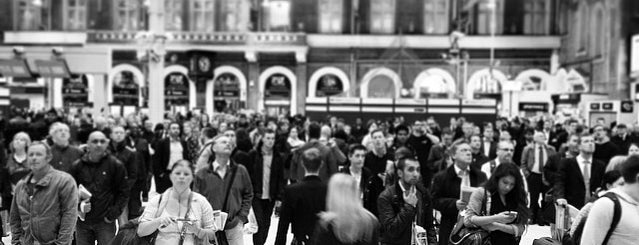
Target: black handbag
{"type": "Point", "coordinates": [220, 236]}
{"type": "Point", "coordinates": [464, 235]}
{"type": "Point", "coordinates": [128, 233]}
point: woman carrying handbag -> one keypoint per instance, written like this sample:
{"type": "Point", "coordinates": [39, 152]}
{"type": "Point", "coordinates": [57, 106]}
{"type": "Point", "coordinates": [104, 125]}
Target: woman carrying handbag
{"type": "Point", "coordinates": [186, 217]}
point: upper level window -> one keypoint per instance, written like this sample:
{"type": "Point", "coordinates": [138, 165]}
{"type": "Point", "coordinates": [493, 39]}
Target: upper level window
{"type": "Point", "coordinates": [331, 16]}
{"type": "Point", "coordinates": [581, 30]}
{"type": "Point", "coordinates": [202, 13]}
{"type": "Point", "coordinates": [598, 33]}
{"type": "Point", "coordinates": [436, 20]}
{"type": "Point", "coordinates": [382, 18]}
{"type": "Point", "coordinates": [278, 15]}
{"type": "Point", "coordinates": [127, 15]}
{"type": "Point", "coordinates": [173, 15]}
{"type": "Point", "coordinates": [32, 15]}
{"type": "Point", "coordinates": [485, 19]}
{"type": "Point", "coordinates": [76, 15]}
{"type": "Point", "coordinates": [234, 15]}
{"type": "Point", "coordinates": [536, 17]}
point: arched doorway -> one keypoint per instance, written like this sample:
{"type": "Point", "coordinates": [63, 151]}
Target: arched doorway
{"type": "Point", "coordinates": [534, 79]}
{"type": "Point", "coordinates": [485, 84]}
{"type": "Point", "coordinates": [226, 90]}
{"type": "Point", "coordinates": [381, 83]}
{"type": "Point", "coordinates": [125, 83]}
{"type": "Point", "coordinates": [278, 96]}
{"type": "Point", "coordinates": [328, 81]}
{"type": "Point", "coordinates": [433, 83]}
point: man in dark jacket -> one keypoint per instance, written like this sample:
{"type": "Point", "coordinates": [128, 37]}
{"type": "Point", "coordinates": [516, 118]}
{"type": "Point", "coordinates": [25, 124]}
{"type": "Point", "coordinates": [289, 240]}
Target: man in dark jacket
{"type": "Point", "coordinates": [127, 156]}
{"type": "Point", "coordinates": [64, 154]}
{"type": "Point", "coordinates": [303, 201]}
{"type": "Point", "coordinates": [138, 144]}
{"type": "Point", "coordinates": [104, 176]}
{"type": "Point", "coordinates": [448, 184]}
{"type": "Point", "coordinates": [167, 152]}
{"type": "Point", "coordinates": [266, 168]}
{"type": "Point", "coordinates": [405, 203]}
{"type": "Point", "coordinates": [363, 176]}
{"type": "Point", "coordinates": [328, 158]}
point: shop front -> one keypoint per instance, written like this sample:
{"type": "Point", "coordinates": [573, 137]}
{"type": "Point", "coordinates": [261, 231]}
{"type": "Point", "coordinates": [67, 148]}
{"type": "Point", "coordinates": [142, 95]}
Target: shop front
{"type": "Point", "coordinates": [126, 82]}
{"type": "Point", "coordinates": [176, 93]}
{"type": "Point", "coordinates": [228, 88]}
{"type": "Point", "coordinates": [75, 93]}
{"type": "Point", "coordinates": [278, 86]}
{"type": "Point", "coordinates": [329, 82]}
{"type": "Point", "coordinates": [381, 83]}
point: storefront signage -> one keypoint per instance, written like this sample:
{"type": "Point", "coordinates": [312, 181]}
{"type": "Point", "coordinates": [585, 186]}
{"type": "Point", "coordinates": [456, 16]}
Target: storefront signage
{"type": "Point", "coordinates": [607, 106]}
{"type": "Point", "coordinates": [566, 98]}
{"type": "Point", "coordinates": [595, 106]}
{"type": "Point", "coordinates": [75, 91]}
{"type": "Point", "coordinates": [627, 106]}
{"type": "Point", "coordinates": [176, 89]}
{"type": "Point", "coordinates": [53, 68]}
{"type": "Point", "coordinates": [226, 85]}
{"type": "Point", "coordinates": [277, 87]}
{"type": "Point", "coordinates": [329, 85]}
{"type": "Point", "coordinates": [527, 106]}
{"type": "Point", "coordinates": [126, 90]}
{"type": "Point", "coordinates": [14, 68]}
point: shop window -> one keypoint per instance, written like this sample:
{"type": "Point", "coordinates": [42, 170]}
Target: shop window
{"type": "Point", "coordinates": [173, 15]}
{"type": "Point", "coordinates": [32, 15]}
{"type": "Point", "coordinates": [485, 11]}
{"type": "Point", "coordinates": [331, 16]}
{"type": "Point", "coordinates": [234, 15]}
{"type": "Point", "coordinates": [202, 13]}
{"type": "Point", "coordinates": [436, 19]}
{"type": "Point", "coordinates": [76, 15]}
{"type": "Point", "coordinates": [382, 19]}
{"type": "Point", "coordinates": [127, 15]}
{"type": "Point", "coordinates": [536, 17]}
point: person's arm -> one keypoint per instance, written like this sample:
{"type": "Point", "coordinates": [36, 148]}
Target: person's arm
{"type": "Point", "coordinates": [15, 220]}
{"type": "Point", "coordinates": [121, 188]}
{"type": "Point", "coordinates": [432, 138]}
{"type": "Point", "coordinates": [207, 229]}
{"type": "Point", "coordinates": [560, 181]}
{"type": "Point", "coordinates": [132, 169]}
{"type": "Point", "coordinates": [247, 196]}
{"type": "Point", "coordinates": [445, 205]}
{"type": "Point", "coordinates": [68, 208]}
{"type": "Point", "coordinates": [148, 222]}
{"type": "Point", "coordinates": [524, 160]}
{"type": "Point", "coordinates": [392, 221]}
{"type": "Point", "coordinates": [598, 222]}
{"type": "Point", "coordinates": [286, 214]}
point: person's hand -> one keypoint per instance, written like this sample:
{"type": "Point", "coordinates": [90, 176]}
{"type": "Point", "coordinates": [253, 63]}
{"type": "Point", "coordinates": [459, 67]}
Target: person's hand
{"type": "Point", "coordinates": [190, 227]}
{"type": "Point", "coordinates": [461, 205]}
{"type": "Point", "coordinates": [165, 221]}
{"type": "Point", "coordinates": [410, 197]}
{"type": "Point", "coordinates": [504, 217]}
{"type": "Point", "coordinates": [562, 202]}
{"type": "Point", "coordinates": [526, 172]}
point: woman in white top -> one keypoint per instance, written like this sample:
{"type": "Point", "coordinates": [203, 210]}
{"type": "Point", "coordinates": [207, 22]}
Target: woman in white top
{"type": "Point", "coordinates": [294, 140]}
{"type": "Point", "coordinates": [169, 214]}
{"type": "Point", "coordinates": [367, 141]}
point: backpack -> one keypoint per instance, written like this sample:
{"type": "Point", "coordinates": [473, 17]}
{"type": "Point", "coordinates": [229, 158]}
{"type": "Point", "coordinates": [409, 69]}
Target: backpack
{"type": "Point", "coordinates": [576, 238]}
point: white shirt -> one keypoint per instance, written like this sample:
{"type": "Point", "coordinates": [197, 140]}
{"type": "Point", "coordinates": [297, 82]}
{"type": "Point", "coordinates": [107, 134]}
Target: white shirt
{"type": "Point", "coordinates": [487, 148]}
{"type": "Point", "coordinates": [486, 167]}
{"type": "Point", "coordinates": [582, 166]}
{"type": "Point", "coordinates": [266, 175]}
{"type": "Point", "coordinates": [176, 153]}
{"type": "Point", "coordinates": [220, 169]}
{"type": "Point", "coordinates": [536, 163]}
{"type": "Point", "coordinates": [465, 178]}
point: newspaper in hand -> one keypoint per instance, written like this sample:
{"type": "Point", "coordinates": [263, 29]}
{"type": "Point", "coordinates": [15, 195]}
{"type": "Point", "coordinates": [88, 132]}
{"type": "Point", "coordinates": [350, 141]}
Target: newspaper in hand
{"type": "Point", "coordinates": [219, 219]}
{"type": "Point", "coordinates": [465, 193]}
{"type": "Point", "coordinates": [85, 196]}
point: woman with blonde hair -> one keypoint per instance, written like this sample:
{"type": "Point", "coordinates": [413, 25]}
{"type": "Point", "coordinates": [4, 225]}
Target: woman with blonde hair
{"type": "Point", "coordinates": [345, 221]}
{"type": "Point", "coordinates": [615, 163]}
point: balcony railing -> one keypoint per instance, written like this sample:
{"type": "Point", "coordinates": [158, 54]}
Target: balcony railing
{"type": "Point", "coordinates": [252, 38]}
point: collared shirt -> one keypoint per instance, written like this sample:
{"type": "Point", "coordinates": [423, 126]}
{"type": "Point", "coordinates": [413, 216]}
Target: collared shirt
{"type": "Point", "coordinates": [220, 169]}
{"type": "Point", "coordinates": [538, 161]}
{"type": "Point", "coordinates": [487, 148]}
{"type": "Point", "coordinates": [176, 153]}
{"type": "Point", "coordinates": [266, 175]}
{"type": "Point", "coordinates": [488, 169]}
{"type": "Point", "coordinates": [464, 175]}
{"type": "Point", "coordinates": [582, 166]}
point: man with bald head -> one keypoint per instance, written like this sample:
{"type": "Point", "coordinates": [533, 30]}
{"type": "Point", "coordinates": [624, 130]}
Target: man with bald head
{"type": "Point", "coordinates": [533, 159]}
{"type": "Point", "coordinates": [105, 177]}
{"type": "Point", "coordinates": [126, 155]}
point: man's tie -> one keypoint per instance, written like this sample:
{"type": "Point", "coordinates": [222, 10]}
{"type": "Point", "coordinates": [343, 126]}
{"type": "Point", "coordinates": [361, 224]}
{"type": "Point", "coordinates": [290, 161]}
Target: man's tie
{"type": "Point", "coordinates": [540, 162]}
{"type": "Point", "coordinates": [587, 179]}
{"type": "Point", "coordinates": [465, 178]}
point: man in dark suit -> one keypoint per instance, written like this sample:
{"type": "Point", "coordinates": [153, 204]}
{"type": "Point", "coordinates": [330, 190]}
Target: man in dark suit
{"type": "Point", "coordinates": [327, 157]}
{"type": "Point", "coordinates": [579, 177]}
{"type": "Point", "coordinates": [478, 156]}
{"type": "Point", "coordinates": [447, 186]}
{"type": "Point", "coordinates": [266, 168]}
{"type": "Point", "coordinates": [303, 201]}
{"type": "Point", "coordinates": [168, 151]}
{"type": "Point", "coordinates": [489, 146]}
{"type": "Point", "coordinates": [355, 168]}
{"type": "Point", "coordinates": [533, 160]}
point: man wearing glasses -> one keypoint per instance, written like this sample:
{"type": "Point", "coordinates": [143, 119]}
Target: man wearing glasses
{"type": "Point", "coordinates": [105, 178]}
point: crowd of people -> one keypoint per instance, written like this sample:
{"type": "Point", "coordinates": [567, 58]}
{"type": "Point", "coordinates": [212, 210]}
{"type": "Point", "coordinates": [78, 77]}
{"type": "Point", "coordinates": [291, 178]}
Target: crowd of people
{"type": "Point", "coordinates": [70, 179]}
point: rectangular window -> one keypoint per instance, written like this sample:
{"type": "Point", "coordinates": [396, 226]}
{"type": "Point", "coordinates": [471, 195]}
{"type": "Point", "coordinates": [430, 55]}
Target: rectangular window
{"type": "Point", "coordinates": [202, 13]}
{"type": "Point", "coordinates": [76, 15]}
{"type": "Point", "coordinates": [278, 15]}
{"type": "Point", "coordinates": [484, 20]}
{"type": "Point", "coordinates": [32, 15]}
{"type": "Point", "coordinates": [436, 19]}
{"type": "Point", "coordinates": [173, 15]}
{"type": "Point", "coordinates": [382, 18]}
{"type": "Point", "coordinates": [234, 15]}
{"type": "Point", "coordinates": [536, 17]}
{"type": "Point", "coordinates": [127, 15]}
{"type": "Point", "coordinates": [331, 16]}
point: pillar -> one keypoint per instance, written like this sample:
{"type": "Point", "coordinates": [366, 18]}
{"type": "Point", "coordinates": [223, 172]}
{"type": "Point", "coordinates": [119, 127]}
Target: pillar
{"type": "Point", "coordinates": [156, 64]}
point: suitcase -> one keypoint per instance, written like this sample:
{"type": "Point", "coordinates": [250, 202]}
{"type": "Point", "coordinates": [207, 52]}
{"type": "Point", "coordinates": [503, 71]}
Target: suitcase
{"type": "Point", "coordinates": [546, 241]}
{"type": "Point", "coordinates": [560, 228]}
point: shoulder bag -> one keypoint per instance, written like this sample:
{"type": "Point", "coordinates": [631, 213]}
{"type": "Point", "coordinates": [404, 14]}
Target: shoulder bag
{"type": "Point", "coordinates": [464, 235]}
